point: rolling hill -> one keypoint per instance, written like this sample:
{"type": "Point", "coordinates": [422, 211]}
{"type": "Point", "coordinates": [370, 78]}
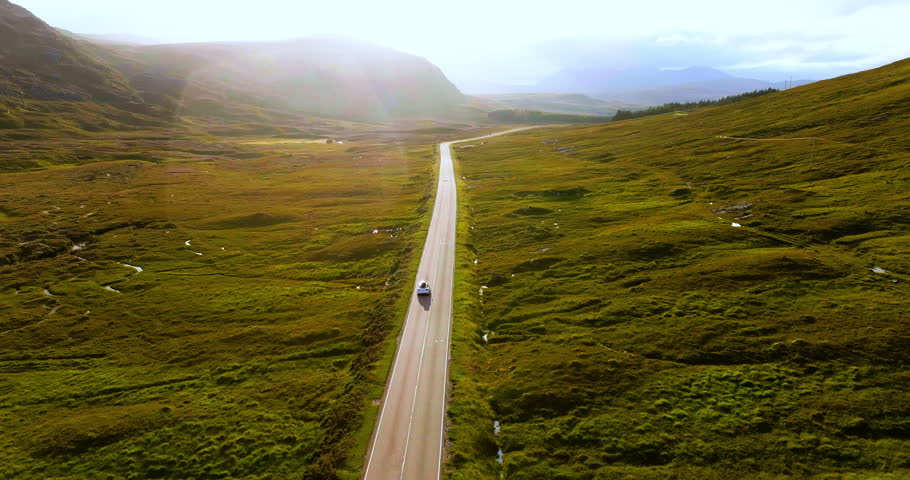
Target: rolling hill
{"type": "Point", "coordinates": [713, 295]}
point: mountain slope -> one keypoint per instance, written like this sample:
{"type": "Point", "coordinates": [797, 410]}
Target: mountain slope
{"type": "Point", "coordinates": [661, 300]}
{"type": "Point", "coordinates": [37, 62]}
{"type": "Point", "coordinates": [328, 77]}
{"type": "Point", "coordinates": [320, 76]}
{"type": "Point", "coordinates": [338, 78]}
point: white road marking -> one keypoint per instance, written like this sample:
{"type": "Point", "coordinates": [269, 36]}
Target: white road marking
{"type": "Point", "coordinates": [407, 440]}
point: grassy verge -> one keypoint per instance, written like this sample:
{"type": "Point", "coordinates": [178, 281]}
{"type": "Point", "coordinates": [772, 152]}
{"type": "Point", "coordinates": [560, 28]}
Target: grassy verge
{"type": "Point", "coordinates": [662, 302]}
{"type": "Point", "coordinates": [471, 444]}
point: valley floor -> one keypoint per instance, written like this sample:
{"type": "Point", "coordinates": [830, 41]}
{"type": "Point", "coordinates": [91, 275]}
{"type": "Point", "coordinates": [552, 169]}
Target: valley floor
{"type": "Point", "coordinates": [201, 307]}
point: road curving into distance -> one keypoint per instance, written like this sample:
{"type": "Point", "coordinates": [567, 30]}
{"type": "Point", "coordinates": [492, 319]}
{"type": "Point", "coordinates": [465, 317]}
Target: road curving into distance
{"type": "Point", "coordinates": [409, 437]}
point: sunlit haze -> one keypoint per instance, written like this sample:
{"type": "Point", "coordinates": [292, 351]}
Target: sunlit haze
{"type": "Point", "coordinates": [518, 42]}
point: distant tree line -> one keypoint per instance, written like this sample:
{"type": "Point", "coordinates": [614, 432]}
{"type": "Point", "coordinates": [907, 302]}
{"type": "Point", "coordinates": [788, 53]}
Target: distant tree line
{"type": "Point", "coordinates": [535, 116]}
{"type": "Point", "coordinates": [689, 106]}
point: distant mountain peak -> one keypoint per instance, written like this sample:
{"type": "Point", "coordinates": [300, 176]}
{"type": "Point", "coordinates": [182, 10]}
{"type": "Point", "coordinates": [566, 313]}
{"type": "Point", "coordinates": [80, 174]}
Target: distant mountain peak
{"type": "Point", "coordinates": [597, 78]}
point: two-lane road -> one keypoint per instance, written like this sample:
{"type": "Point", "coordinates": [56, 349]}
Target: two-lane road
{"type": "Point", "coordinates": [409, 437]}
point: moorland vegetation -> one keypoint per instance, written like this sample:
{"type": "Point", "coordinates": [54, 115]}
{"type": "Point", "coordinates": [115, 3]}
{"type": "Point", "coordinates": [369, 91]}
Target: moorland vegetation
{"type": "Point", "coordinates": [712, 295]}
{"type": "Point", "coordinates": [206, 300]}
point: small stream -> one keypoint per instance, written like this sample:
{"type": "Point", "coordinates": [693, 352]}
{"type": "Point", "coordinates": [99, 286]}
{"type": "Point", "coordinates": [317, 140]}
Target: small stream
{"type": "Point", "coordinates": [137, 269]}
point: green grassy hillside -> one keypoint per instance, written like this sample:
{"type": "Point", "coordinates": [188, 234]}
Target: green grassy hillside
{"type": "Point", "coordinates": [41, 63]}
{"type": "Point", "coordinates": [652, 299]}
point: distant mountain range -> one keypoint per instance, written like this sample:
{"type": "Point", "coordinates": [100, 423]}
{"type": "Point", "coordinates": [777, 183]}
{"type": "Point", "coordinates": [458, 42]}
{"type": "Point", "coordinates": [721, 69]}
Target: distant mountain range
{"type": "Point", "coordinates": [640, 85]}
{"type": "Point", "coordinates": [597, 79]}
{"type": "Point", "coordinates": [571, 103]}
{"type": "Point", "coordinates": [691, 92]}
{"type": "Point", "coordinates": [330, 77]}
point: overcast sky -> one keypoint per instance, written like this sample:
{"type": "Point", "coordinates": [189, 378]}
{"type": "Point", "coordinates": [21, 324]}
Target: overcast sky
{"type": "Point", "coordinates": [517, 42]}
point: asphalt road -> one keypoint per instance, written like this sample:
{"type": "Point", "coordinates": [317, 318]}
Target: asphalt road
{"type": "Point", "coordinates": [409, 438]}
